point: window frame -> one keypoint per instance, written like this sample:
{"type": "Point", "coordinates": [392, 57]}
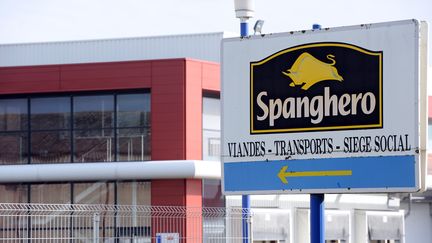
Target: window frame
{"type": "Point", "coordinates": [71, 129]}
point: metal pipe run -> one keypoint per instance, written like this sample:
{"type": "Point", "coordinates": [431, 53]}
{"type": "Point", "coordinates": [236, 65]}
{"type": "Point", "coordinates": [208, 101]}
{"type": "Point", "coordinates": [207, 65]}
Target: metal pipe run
{"type": "Point", "coordinates": [169, 169]}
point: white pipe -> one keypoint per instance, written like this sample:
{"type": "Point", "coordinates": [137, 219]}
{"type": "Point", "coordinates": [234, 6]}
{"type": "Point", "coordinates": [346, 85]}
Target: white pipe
{"type": "Point", "coordinates": [170, 169]}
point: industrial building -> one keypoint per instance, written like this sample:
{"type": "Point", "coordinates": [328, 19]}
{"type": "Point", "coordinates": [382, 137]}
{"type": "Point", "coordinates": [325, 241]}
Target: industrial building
{"type": "Point", "coordinates": [136, 121]}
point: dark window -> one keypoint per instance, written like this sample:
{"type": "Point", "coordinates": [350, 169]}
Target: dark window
{"type": "Point", "coordinates": [13, 115]}
{"type": "Point", "coordinates": [13, 193]}
{"type": "Point", "coordinates": [93, 128]}
{"type": "Point", "coordinates": [133, 193]}
{"type": "Point", "coordinates": [133, 144]}
{"type": "Point", "coordinates": [50, 147]}
{"type": "Point", "coordinates": [93, 112]}
{"type": "Point", "coordinates": [94, 145]}
{"type": "Point", "coordinates": [13, 131]}
{"type": "Point", "coordinates": [93, 193]}
{"type": "Point", "coordinates": [13, 148]}
{"type": "Point", "coordinates": [50, 130]}
{"type": "Point", "coordinates": [133, 127]}
{"type": "Point", "coordinates": [75, 128]}
{"type": "Point", "coordinates": [133, 110]}
{"type": "Point", "coordinates": [212, 193]}
{"type": "Point", "coordinates": [12, 224]}
{"type": "Point", "coordinates": [50, 113]}
{"type": "Point", "coordinates": [50, 193]}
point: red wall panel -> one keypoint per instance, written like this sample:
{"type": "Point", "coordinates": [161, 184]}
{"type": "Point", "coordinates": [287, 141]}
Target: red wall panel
{"type": "Point", "coordinates": [15, 80]}
{"type": "Point", "coordinates": [177, 106]}
{"type": "Point", "coordinates": [193, 105]}
{"type": "Point", "coordinates": [211, 76]}
{"type": "Point", "coordinates": [176, 102]}
{"type": "Point", "coordinates": [193, 192]}
{"type": "Point", "coordinates": [172, 192]}
{"type": "Point", "coordinates": [168, 192]}
{"type": "Point", "coordinates": [194, 202]}
{"type": "Point", "coordinates": [168, 110]}
{"type": "Point", "coordinates": [75, 77]}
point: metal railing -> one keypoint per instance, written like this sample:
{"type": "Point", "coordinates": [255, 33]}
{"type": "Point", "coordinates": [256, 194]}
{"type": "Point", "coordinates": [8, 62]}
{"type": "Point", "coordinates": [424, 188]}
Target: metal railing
{"type": "Point", "coordinates": [112, 223]}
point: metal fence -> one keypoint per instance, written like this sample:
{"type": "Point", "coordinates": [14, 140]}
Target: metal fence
{"type": "Point", "coordinates": [112, 223]}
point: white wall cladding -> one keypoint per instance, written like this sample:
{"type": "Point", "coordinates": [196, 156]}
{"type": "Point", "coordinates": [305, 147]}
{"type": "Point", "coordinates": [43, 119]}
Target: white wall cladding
{"type": "Point", "coordinates": [205, 46]}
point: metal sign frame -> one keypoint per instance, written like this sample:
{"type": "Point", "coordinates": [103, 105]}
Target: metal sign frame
{"type": "Point", "coordinates": [273, 162]}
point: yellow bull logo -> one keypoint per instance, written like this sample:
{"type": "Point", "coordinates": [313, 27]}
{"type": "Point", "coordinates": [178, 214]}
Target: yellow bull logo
{"type": "Point", "coordinates": [307, 71]}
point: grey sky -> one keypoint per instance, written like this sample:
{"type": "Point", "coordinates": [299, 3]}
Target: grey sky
{"type": "Point", "coordinates": [56, 20]}
{"type": "Point", "coordinates": [61, 20]}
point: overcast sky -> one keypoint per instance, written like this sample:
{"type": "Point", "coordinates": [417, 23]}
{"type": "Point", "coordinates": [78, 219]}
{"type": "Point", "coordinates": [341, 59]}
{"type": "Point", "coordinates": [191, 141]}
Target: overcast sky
{"type": "Point", "coordinates": [58, 20]}
{"type": "Point", "coordinates": [61, 20]}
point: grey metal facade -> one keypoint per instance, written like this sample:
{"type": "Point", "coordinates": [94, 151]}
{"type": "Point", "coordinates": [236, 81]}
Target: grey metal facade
{"type": "Point", "coordinates": [204, 46]}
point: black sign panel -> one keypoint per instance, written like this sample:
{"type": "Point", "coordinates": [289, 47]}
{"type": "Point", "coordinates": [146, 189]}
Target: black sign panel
{"type": "Point", "coordinates": [317, 87]}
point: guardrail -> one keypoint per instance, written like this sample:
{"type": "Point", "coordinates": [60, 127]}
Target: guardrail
{"type": "Point", "coordinates": [113, 223]}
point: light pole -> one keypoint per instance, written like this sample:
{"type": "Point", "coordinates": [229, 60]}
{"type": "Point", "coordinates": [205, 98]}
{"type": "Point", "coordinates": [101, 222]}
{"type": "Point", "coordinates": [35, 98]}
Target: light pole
{"type": "Point", "coordinates": [244, 10]}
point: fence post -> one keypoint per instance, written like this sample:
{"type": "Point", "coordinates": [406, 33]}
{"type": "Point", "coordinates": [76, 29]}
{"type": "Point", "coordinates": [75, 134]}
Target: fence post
{"type": "Point", "coordinates": [96, 220]}
{"type": "Point", "coordinates": [250, 223]}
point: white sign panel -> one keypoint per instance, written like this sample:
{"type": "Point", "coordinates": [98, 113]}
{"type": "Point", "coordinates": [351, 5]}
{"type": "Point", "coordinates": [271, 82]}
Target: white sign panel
{"type": "Point", "coordinates": [167, 237]}
{"type": "Point", "coordinates": [330, 110]}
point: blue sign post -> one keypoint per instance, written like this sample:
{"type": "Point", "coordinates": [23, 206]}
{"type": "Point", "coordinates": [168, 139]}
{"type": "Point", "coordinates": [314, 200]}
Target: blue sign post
{"type": "Point", "coordinates": [245, 198]}
{"type": "Point", "coordinates": [244, 11]}
{"type": "Point", "coordinates": [317, 226]}
{"type": "Point", "coordinates": [317, 206]}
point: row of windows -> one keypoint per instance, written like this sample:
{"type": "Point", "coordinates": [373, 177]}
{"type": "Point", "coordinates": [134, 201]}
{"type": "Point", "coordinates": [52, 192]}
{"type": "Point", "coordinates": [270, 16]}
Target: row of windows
{"type": "Point", "coordinates": [84, 128]}
{"type": "Point", "coordinates": [88, 112]}
{"type": "Point", "coordinates": [109, 127]}
{"type": "Point", "coordinates": [121, 193]}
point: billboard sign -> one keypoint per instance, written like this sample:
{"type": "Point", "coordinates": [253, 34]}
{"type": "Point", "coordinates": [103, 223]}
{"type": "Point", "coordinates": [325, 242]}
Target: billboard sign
{"type": "Point", "coordinates": [311, 95]}
{"type": "Point", "coordinates": [330, 110]}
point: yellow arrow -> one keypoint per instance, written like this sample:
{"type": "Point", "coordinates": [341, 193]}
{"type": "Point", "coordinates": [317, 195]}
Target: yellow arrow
{"type": "Point", "coordinates": [283, 173]}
